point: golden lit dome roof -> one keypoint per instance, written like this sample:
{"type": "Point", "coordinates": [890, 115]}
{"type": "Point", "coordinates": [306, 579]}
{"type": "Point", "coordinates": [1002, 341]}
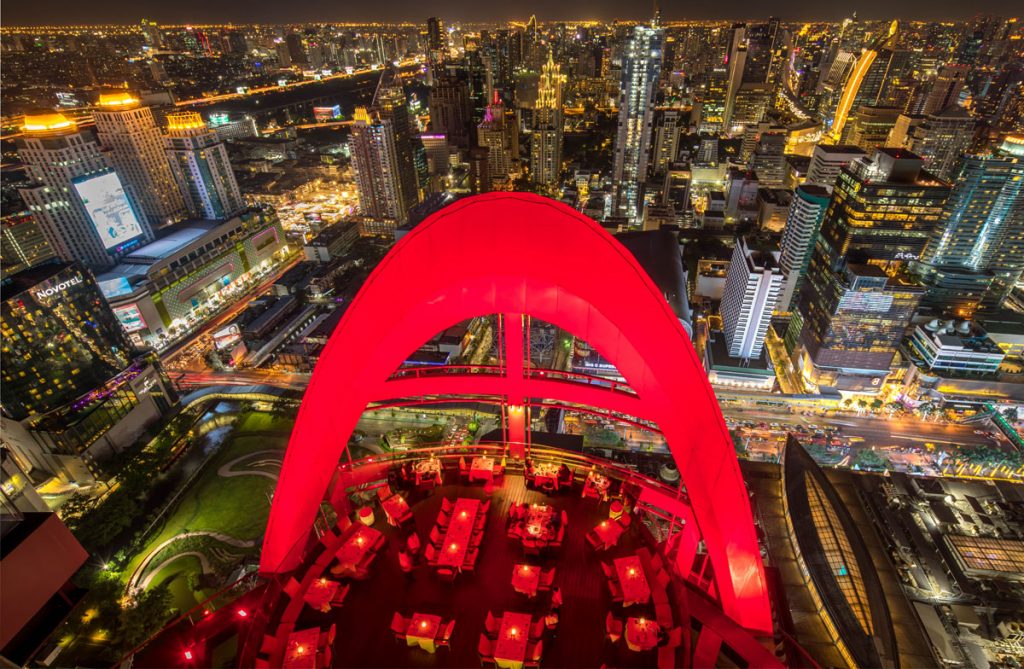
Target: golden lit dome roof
{"type": "Point", "coordinates": [47, 122]}
{"type": "Point", "coordinates": [185, 121]}
{"type": "Point", "coordinates": [119, 100]}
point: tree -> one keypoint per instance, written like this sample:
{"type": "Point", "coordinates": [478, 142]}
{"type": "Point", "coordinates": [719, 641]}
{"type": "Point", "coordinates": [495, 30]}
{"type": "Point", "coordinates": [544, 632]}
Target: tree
{"type": "Point", "coordinates": [877, 404]}
{"type": "Point", "coordinates": [144, 616]}
{"type": "Point", "coordinates": [1011, 414]}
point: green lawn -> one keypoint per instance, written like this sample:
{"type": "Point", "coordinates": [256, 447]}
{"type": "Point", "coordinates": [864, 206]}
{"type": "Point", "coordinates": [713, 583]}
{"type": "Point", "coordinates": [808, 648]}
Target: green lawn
{"type": "Point", "coordinates": [235, 506]}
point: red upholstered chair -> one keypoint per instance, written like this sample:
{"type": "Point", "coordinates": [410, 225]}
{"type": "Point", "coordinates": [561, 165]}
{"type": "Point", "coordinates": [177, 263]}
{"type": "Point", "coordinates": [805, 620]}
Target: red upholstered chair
{"type": "Point", "coordinates": [613, 627]}
{"type": "Point", "coordinates": [399, 626]}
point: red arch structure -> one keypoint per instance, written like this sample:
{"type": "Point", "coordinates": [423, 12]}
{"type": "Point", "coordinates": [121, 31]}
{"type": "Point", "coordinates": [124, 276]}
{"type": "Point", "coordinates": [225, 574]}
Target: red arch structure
{"type": "Point", "coordinates": [520, 255]}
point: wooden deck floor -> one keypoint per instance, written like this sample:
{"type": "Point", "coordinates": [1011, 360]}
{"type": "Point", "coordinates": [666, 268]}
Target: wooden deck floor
{"type": "Point", "coordinates": [364, 638]}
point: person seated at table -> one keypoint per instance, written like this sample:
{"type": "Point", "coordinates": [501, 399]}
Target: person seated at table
{"type": "Point", "coordinates": [556, 598]}
{"type": "Point", "coordinates": [551, 621]}
{"type": "Point", "coordinates": [564, 473]}
{"type": "Point", "coordinates": [528, 470]}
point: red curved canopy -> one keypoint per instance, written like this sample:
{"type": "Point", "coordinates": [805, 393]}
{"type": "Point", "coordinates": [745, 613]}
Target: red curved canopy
{"type": "Point", "coordinates": [520, 254]}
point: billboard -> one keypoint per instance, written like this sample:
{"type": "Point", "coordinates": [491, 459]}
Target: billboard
{"type": "Point", "coordinates": [130, 318]}
{"type": "Point", "coordinates": [108, 208]}
{"type": "Point", "coordinates": [225, 337]}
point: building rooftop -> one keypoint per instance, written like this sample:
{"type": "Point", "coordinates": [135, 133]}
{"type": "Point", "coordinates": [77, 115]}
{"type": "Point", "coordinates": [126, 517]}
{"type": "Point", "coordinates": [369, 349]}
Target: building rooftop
{"type": "Point", "coordinates": [177, 238]}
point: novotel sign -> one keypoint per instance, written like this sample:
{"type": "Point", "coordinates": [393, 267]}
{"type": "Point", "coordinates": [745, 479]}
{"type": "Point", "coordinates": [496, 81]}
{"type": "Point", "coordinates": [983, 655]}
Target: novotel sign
{"type": "Point", "coordinates": [58, 288]}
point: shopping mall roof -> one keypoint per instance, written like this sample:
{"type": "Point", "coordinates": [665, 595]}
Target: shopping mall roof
{"type": "Point", "coordinates": [177, 239]}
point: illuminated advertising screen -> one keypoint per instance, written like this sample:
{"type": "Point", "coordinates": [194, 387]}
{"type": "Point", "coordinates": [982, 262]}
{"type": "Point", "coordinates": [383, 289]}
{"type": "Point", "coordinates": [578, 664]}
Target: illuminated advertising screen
{"type": "Point", "coordinates": [224, 338]}
{"type": "Point", "coordinates": [130, 318]}
{"type": "Point", "coordinates": [108, 208]}
{"type": "Point", "coordinates": [115, 287]}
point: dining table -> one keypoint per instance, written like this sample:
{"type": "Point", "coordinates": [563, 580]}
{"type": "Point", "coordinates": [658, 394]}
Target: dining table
{"type": "Point", "coordinates": [635, 589]}
{"type": "Point", "coordinates": [481, 468]}
{"type": "Point", "coordinates": [422, 631]}
{"type": "Point", "coordinates": [544, 473]}
{"type": "Point", "coordinates": [320, 594]}
{"type": "Point", "coordinates": [356, 548]}
{"type": "Point", "coordinates": [300, 652]}
{"type": "Point", "coordinates": [526, 579]}
{"type": "Point", "coordinates": [596, 485]}
{"type": "Point", "coordinates": [513, 640]}
{"type": "Point", "coordinates": [641, 634]}
{"type": "Point", "coordinates": [609, 532]}
{"type": "Point", "coordinates": [539, 523]}
{"type": "Point", "coordinates": [457, 537]}
{"type": "Point", "coordinates": [395, 508]}
{"type": "Point", "coordinates": [428, 470]}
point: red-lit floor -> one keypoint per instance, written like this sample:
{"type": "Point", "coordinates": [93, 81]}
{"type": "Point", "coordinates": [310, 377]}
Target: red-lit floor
{"type": "Point", "coordinates": [364, 638]}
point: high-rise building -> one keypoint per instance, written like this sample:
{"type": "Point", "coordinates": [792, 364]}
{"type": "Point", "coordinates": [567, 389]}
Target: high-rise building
{"type": "Point", "coordinates": [60, 339]}
{"type": "Point", "coordinates": [806, 212]}
{"type": "Point", "coordinates": [641, 67]}
{"type": "Point", "coordinates": [827, 160]}
{"type": "Point", "coordinates": [493, 134]}
{"type": "Point", "coordinates": [753, 284]}
{"type": "Point", "coordinates": [946, 88]}
{"type": "Point", "coordinates": [296, 50]}
{"type": "Point", "coordinates": [871, 78]}
{"type": "Point", "coordinates": [154, 39]}
{"type": "Point", "coordinates": [885, 207]}
{"type": "Point", "coordinates": [390, 103]}
{"type": "Point", "coordinates": [450, 112]}
{"type": "Point", "coordinates": [869, 126]}
{"type": "Point", "coordinates": [200, 165]}
{"type": "Point", "coordinates": [135, 148]}
{"type": "Point", "coordinates": [942, 139]}
{"type": "Point", "coordinates": [546, 139]}
{"type": "Point", "coordinates": [982, 224]}
{"type": "Point", "coordinates": [81, 205]}
{"type": "Point", "coordinates": [437, 43]}
{"type": "Point", "coordinates": [668, 124]}
{"type": "Point", "coordinates": [753, 71]}
{"type": "Point", "coordinates": [375, 165]}
{"type": "Point", "coordinates": [22, 244]}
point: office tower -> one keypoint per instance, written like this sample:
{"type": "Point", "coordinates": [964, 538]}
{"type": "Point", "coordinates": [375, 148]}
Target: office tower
{"type": "Point", "coordinates": [493, 134]}
{"type": "Point", "coordinates": [806, 212]}
{"type": "Point", "coordinates": [22, 244]}
{"type": "Point", "coordinates": [667, 126]}
{"type": "Point", "coordinates": [850, 325]}
{"type": "Point", "coordinates": [946, 88]}
{"type": "Point", "coordinates": [768, 159]}
{"type": "Point", "coordinates": [752, 287]}
{"type": "Point", "coordinates": [135, 148]}
{"type": "Point", "coordinates": [284, 58]}
{"type": "Point", "coordinates": [546, 139]}
{"type": "Point", "coordinates": [200, 165]}
{"type": "Point", "coordinates": [982, 224]}
{"type": "Point", "coordinates": [438, 159]}
{"type": "Point", "coordinates": [437, 43]}
{"type": "Point", "coordinates": [885, 207]}
{"type": "Point", "coordinates": [479, 172]}
{"type": "Point", "coordinates": [80, 204]}
{"type": "Point", "coordinates": [827, 160]}
{"type": "Point", "coordinates": [712, 109]}
{"type": "Point", "coordinates": [942, 139]}
{"type": "Point", "coordinates": [900, 133]}
{"type": "Point", "coordinates": [752, 73]}
{"type": "Point", "coordinates": [375, 165]}
{"type": "Point", "coordinates": [390, 103]}
{"type": "Point", "coordinates": [868, 128]}
{"type": "Point", "coordinates": [868, 83]}
{"type": "Point", "coordinates": [641, 66]}
{"type": "Point", "coordinates": [450, 112]}
{"type": "Point", "coordinates": [296, 50]}
{"type": "Point", "coordinates": [60, 339]}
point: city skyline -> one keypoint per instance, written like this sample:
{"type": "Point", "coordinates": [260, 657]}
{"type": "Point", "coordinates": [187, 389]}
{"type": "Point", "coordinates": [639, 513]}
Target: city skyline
{"type": "Point", "coordinates": [113, 12]}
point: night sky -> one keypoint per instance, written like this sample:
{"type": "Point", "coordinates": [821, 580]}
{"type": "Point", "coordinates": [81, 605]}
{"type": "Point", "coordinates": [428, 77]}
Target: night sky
{"type": "Point", "coordinates": [283, 11]}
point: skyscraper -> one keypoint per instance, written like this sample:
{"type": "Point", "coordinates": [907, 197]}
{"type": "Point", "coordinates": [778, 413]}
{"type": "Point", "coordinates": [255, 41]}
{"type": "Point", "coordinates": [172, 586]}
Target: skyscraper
{"type": "Point", "coordinates": [752, 287]}
{"type": "Point", "coordinates": [450, 112]}
{"type": "Point", "coordinates": [667, 127]}
{"type": "Point", "coordinates": [135, 148]}
{"type": "Point", "coordinates": [827, 160]}
{"type": "Point", "coordinates": [437, 43]}
{"type": "Point", "coordinates": [806, 212]}
{"type": "Point", "coordinates": [546, 141]}
{"type": "Point", "coordinates": [641, 67]}
{"type": "Point", "coordinates": [870, 78]}
{"type": "Point", "coordinates": [942, 139]}
{"type": "Point", "coordinates": [22, 243]}
{"type": "Point", "coordinates": [200, 165]}
{"type": "Point", "coordinates": [946, 88]}
{"type": "Point", "coordinates": [376, 167]}
{"type": "Point", "coordinates": [982, 224]}
{"type": "Point", "coordinates": [493, 134]}
{"type": "Point", "coordinates": [67, 166]}
{"type": "Point", "coordinates": [390, 103]}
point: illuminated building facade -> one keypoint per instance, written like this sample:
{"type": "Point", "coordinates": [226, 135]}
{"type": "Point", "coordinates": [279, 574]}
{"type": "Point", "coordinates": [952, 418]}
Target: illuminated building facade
{"type": "Point", "coordinates": [752, 288]}
{"type": "Point", "coordinates": [376, 168]}
{"type": "Point", "coordinates": [641, 67]}
{"type": "Point", "coordinates": [493, 134]}
{"type": "Point", "coordinates": [22, 243]}
{"type": "Point", "coordinates": [134, 145]}
{"type": "Point", "coordinates": [200, 165]}
{"type": "Point", "coordinates": [58, 156]}
{"type": "Point", "coordinates": [390, 103]}
{"type": "Point", "coordinates": [871, 77]}
{"type": "Point", "coordinates": [942, 139]}
{"type": "Point", "coordinates": [450, 112]}
{"type": "Point", "coordinates": [546, 140]}
{"type": "Point", "coordinates": [982, 223]}
{"type": "Point", "coordinates": [806, 212]}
